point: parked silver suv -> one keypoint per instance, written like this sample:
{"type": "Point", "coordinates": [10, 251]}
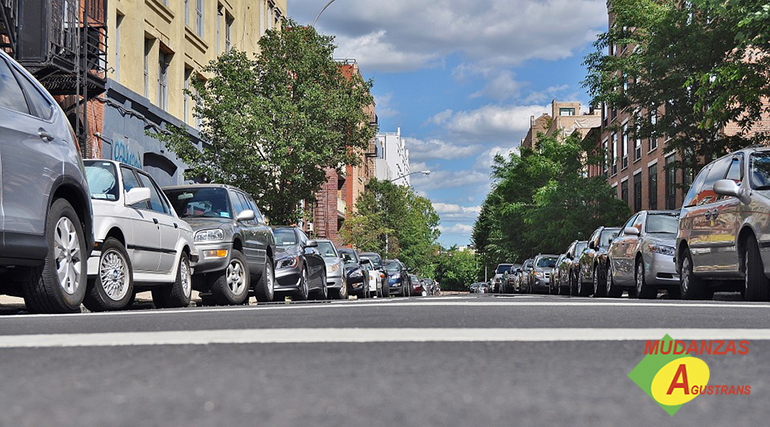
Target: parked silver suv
{"type": "Point", "coordinates": [45, 215]}
{"type": "Point", "coordinates": [723, 241]}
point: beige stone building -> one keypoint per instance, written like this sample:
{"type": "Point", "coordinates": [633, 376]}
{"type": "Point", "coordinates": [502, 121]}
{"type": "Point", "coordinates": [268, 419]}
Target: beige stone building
{"type": "Point", "coordinates": [154, 48]}
{"type": "Point", "coordinates": [565, 119]}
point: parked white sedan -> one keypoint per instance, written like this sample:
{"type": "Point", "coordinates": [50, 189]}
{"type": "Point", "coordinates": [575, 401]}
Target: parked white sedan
{"type": "Point", "coordinates": [140, 241]}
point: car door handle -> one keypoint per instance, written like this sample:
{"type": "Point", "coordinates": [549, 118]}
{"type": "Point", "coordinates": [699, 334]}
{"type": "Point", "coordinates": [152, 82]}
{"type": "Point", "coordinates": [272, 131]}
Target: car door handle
{"type": "Point", "coordinates": [45, 135]}
{"type": "Point", "coordinates": [155, 220]}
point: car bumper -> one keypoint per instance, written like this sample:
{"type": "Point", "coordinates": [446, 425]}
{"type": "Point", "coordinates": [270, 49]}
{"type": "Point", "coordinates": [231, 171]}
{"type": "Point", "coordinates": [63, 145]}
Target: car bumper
{"type": "Point", "coordinates": [210, 259]}
{"type": "Point", "coordinates": [541, 284]}
{"type": "Point", "coordinates": [661, 271]}
{"type": "Point", "coordinates": [334, 282]}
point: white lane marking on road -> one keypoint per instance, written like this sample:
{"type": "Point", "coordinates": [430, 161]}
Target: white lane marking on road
{"type": "Point", "coordinates": [468, 302]}
{"type": "Point", "coordinates": [370, 335]}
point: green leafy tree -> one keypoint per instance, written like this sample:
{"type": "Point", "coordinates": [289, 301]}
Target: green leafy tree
{"type": "Point", "coordinates": [406, 224]}
{"type": "Point", "coordinates": [455, 270]}
{"type": "Point", "coordinates": [670, 54]}
{"type": "Point", "coordinates": [272, 124]}
{"type": "Point", "coordinates": [541, 201]}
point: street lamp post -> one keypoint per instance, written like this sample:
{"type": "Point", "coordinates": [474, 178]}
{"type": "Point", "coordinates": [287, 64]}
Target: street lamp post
{"type": "Point", "coordinates": [322, 11]}
{"type": "Point", "coordinates": [425, 172]}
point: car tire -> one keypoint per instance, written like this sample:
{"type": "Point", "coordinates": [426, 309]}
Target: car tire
{"type": "Point", "coordinates": [643, 290]}
{"type": "Point", "coordinates": [264, 289]}
{"type": "Point", "coordinates": [612, 290]}
{"type": "Point", "coordinates": [231, 286]}
{"type": "Point", "coordinates": [323, 293]}
{"type": "Point", "coordinates": [599, 287]}
{"type": "Point", "coordinates": [179, 293]}
{"type": "Point", "coordinates": [691, 286]}
{"type": "Point", "coordinates": [44, 290]}
{"type": "Point", "coordinates": [303, 291]}
{"type": "Point", "coordinates": [113, 287]}
{"type": "Point", "coordinates": [756, 286]}
{"type": "Point", "coordinates": [386, 290]}
{"type": "Point", "coordinates": [341, 292]}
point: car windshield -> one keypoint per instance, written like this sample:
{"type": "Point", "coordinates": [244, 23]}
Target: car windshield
{"type": "Point", "coordinates": [200, 202]}
{"type": "Point", "coordinates": [546, 262]}
{"type": "Point", "coordinates": [662, 223]}
{"type": "Point", "coordinates": [607, 236]}
{"type": "Point", "coordinates": [348, 257]}
{"type": "Point", "coordinates": [285, 237]}
{"type": "Point", "coordinates": [760, 171]}
{"type": "Point", "coordinates": [392, 267]}
{"type": "Point", "coordinates": [502, 268]}
{"type": "Point", "coordinates": [327, 249]}
{"type": "Point", "coordinates": [102, 181]}
{"type": "Point", "coordinates": [374, 258]}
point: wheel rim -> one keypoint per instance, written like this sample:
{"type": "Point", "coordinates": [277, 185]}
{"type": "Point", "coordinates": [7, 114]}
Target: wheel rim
{"type": "Point", "coordinates": [113, 275]}
{"type": "Point", "coordinates": [639, 278]}
{"type": "Point", "coordinates": [608, 284]}
{"type": "Point", "coordinates": [67, 255]}
{"type": "Point", "coordinates": [685, 275]}
{"type": "Point", "coordinates": [185, 277]}
{"type": "Point", "coordinates": [236, 277]}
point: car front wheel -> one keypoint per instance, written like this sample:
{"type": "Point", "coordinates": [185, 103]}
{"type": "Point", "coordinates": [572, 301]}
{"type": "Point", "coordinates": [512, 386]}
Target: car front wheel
{"type": "Point", "coordinates": [643, 290]}
{"type": "Point", "coordinates": [691, 286]}
{"type": "Point", "coordinates": [755, 282]}
{"type": "Point", "coordinates": [231, 287]}
{"type": "Point", "coordinates": [59, 284]}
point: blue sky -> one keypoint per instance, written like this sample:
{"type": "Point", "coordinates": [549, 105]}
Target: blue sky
{"type": "Point", "coordinates": [461, 79]}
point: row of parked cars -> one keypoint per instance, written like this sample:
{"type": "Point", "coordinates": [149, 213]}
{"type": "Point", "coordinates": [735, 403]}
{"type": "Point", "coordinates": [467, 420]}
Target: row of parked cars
{"type": "Point", "coordinates": [718, 241]}
{"type": "Point", "coordinates": [96, 232]}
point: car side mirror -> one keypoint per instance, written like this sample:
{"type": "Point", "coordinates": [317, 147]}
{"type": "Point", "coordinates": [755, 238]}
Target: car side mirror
{"type": "Point", "coordinates": [311, 244]}
{"type": "Point", "coordinates": [728, 187]}
{"type": "Point", "coordinates": [631, 231]}
{"type": "Point", "coordinates": [246, 215]}
{"type": "Point", "coordinates": [137, 195]}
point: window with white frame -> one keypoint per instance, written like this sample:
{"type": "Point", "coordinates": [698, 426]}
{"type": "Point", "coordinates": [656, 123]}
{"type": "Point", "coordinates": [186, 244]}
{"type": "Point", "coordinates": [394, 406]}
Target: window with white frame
{"type": "Point", "coordinates": [163, 62]}
{"type": "Point", "coordinates": [199, 4]}
{"type": "Point", "coordinates": [624, 147]}
{"type": "Point", "coordinates": [654, 131]}
{"type": "Point", "coordinates": [118, 22]}
{"type": "Point", "coordinates": [147, 50]}
{"type": "Point", "coordinates": [614, 153]}
{"type": "Point", "coordinates": [228, 32]}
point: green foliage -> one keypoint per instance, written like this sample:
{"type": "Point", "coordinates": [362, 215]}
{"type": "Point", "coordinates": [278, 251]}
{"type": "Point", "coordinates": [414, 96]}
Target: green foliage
{"type": "Point", "coordinates": [405, 225]}
{"type": "Point", "coordinates": [681, 60]}
{"type": "Point", "coordinates": [541, 202]}
{"type": "Point", "coordinates": [272, 124]}
{"type": "Point", "coordinates": [455, 270]}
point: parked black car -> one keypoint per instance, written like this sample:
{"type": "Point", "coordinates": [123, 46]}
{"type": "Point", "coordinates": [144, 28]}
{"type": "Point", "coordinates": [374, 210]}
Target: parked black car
{"type": "Point", "coordinates": [398, 277]}
{"type": "Point", "coordinates": [299, 267]}
{"type": "Point", "coordinates": [358, 277]}
{"type": "Point", "coordinates": [46, 218]}
{"type": "Point", "coordinates": [236, 246]}
{"type": "Point", "coordinates": [594, 262]}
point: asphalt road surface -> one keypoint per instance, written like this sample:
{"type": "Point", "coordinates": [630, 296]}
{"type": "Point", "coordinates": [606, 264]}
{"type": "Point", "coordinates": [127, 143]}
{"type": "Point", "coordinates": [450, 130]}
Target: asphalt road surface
{"type": "Point", "coordinates": [431, 361]}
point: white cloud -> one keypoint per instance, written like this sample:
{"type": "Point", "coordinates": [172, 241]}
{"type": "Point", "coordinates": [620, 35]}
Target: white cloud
{"type": "Point", "coordinates": [501, 87]}
{"type": "Point", "coordinates": [440, 118]}
{"type": "Point", "coordinates": [494, 122]}
{"type": "Point", "coordinates": [486, 159]}
{"type": "Point", "coordinates": [454, 212]}
{"type": "Point", "coordinates": [385, 107]}
{"type": "Point", "coordinates": [398, 35]}
{"type": "Point", "coordinates": [456, 229]}
{"type": "Point", "coordinates": [442, 179]}
{"type": "Point", "coordinates": [436, 149]}
{"type": "Point", "coordinates": [546, 95]}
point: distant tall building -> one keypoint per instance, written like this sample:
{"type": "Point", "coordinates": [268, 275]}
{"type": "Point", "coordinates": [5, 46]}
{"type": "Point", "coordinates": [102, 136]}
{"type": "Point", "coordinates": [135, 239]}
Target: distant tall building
{"type": "Point", "coordinates": [564, 120]}
{"type": "Point", "coordinates": [392, 162]}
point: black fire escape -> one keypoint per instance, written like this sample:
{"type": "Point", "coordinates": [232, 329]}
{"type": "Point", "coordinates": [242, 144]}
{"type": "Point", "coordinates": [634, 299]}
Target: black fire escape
{"type": "Point", "coordinates": [63, 44]}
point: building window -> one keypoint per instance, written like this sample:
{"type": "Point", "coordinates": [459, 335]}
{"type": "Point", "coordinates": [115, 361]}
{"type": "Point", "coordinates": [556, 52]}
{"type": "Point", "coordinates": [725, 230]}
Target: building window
{"type": "Point", "coordinates": [638, 192]}
{"type": "Point", "coordinates": [670, 183]}
{"type": "Point", "coordinates": [652, 187]}
{"type": "Point", "coordinates": [187, 12]}
{"type": "Point", "coordinates": [606, 162]}
{"type": "Point", "coordinates": [654, 133]}
{"type": "Point", "coordinates": [228, 32]}
{"type": "Point", "coordinates": [186, 114]}
{"type": "Point", "coordinates": [219, 27]}
{"type": "Point", "coordinates": [566, 111]}
{"type": "Point", "coordinates": [262, 9]}
{"type": "Point", "coordinates": [270, 9]}
{"type": "Point", "coordinates": [199, 17]}
{"type": "Point", "coordinates": [118, 22]}
{"type": "Point", "coordinates": [147, 50]}
{"type": "Point", "coordinates": [624, 191]}
{"type": "Point", "coordinates": [163, 62]}
{"type": "Point", "coordinates": [624, 147]}
{"type": "Point", "coordinates": [614, 153]}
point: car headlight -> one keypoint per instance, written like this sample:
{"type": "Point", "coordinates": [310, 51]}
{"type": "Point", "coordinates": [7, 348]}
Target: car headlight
{"type": "Point", "coordinates": [332, 268]}
{"type": "Point", "coordinates": [288, 262]}
{"type": "Point", "coordinates": [356, 273]}
{"type": "Point", "coordinates": [539, 274]}
{"type": "Point", "coordinates": [662, 249]}
{"type": "Point", "coordinates": [215, 235]}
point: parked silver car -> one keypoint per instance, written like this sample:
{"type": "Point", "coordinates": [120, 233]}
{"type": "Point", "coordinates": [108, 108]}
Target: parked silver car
{"type": "Point", "coordinates": [574, 253]}
{"type": "Point", "coordinates": [45, 208]}
{"type": "Point", "coordinates": [723, 241]}
{"type": "Point", "coordinates": [336, 280]}
{"type": "Point", "coordinates": [540, 275]}
{"type": "Point", "coordinates": [642, 256]}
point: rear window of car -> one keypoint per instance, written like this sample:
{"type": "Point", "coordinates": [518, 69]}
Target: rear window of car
{"type": "Point", "coordinates": [285, 237]}
{"type": "Point", "coordinates": [102, 180]}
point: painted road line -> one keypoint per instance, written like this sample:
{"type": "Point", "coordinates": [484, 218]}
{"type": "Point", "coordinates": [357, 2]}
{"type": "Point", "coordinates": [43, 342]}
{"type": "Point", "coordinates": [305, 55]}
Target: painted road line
{"type": "Point", "coordinates": [370, 335]}
{"type": "Point", "coordinates": [470, 302]}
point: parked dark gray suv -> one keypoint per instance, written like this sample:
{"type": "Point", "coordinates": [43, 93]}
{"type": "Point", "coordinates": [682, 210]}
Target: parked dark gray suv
{"type": "Point", "coordinates": [234, 242]}
{"type": "Point", "coordinates": [46, 219]}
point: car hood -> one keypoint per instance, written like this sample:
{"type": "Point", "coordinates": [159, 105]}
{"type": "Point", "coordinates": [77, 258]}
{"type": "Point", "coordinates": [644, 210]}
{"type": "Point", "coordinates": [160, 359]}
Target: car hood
{"type": "Point", "coordinates": [661, 239]}
{"type": "Point", "coordinates": [331, 261]}
{"type": "Point", "coordinates": [200, 223]}
{"type": "Point", "coordinates": [287, 251]}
